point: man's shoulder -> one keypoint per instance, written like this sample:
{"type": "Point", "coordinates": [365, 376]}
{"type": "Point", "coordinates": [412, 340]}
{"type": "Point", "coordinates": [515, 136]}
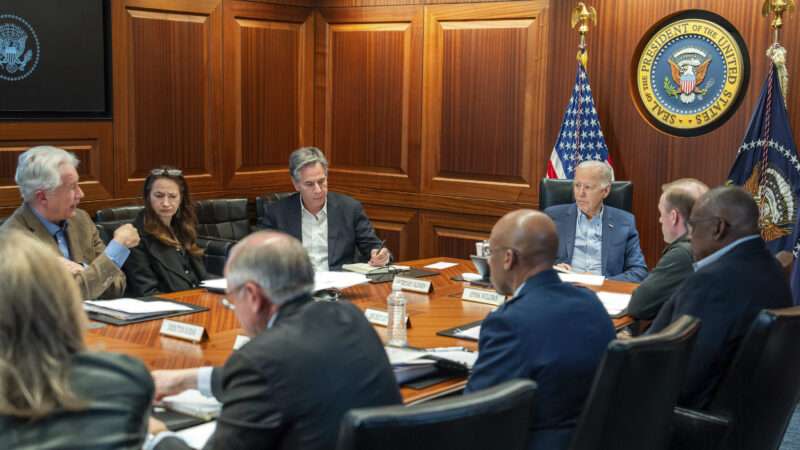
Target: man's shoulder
{"type": "Point", "coordinates": [619, 214]}
{"type": "Point", "coordinates": [342, 200]}
{"type": "Point", "coordinates": [15, 220]}
{"type": "Point", "coordinates": [557, 211]}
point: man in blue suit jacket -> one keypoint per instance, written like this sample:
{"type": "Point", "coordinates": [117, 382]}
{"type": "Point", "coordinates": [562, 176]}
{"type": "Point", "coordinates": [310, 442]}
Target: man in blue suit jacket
{"type": "Point", "coordinates": [551, 332]}
{"type": "Point", "coordinates": [597, 238]}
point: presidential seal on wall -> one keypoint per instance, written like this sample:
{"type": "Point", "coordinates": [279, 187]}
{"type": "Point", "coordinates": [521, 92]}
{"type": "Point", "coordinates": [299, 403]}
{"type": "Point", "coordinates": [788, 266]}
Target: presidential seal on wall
{"type": "Point", "coordinates": [19, 48]}
{"type": "Point", "coordinates": [690, 73]}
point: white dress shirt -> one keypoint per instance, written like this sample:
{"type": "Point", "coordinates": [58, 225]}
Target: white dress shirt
{"type": "Point", "coordinates": [315, 236]}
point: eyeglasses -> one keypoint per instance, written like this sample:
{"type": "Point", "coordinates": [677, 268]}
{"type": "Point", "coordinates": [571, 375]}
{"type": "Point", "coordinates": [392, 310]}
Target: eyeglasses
{"type": "Point", "coordinates": [169, 172]}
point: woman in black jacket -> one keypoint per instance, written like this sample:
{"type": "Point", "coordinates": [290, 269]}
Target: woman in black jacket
{"type": "Point", "coordinates": [167, 258]}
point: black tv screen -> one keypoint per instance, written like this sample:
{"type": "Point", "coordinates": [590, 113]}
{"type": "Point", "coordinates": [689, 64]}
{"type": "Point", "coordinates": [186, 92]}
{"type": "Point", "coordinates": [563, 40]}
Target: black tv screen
{"type": "Point", "coordinates": [54, 59]}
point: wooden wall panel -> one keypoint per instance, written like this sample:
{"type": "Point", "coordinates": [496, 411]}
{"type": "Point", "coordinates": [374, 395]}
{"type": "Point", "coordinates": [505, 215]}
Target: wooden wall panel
{"type": "Point", "coordinates": [481, 129]}
{"type": "Point", "coordinates": [167, 89]}
{"type": "Point", "coordinates": [399, 227]}
{"type": "Point", "coordinates": [268, 90]}
{"type": "Point", "coordinates": [90, 141]}
{"type": "Point", "coordinates": [444, 234]}
{"type": "Point", "coordinates": [368, 109]}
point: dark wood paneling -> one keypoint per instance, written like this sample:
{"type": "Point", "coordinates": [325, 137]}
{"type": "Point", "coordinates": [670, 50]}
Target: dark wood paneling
{"type": "Point", "coordinates": [451, 234]}
{"type": "Point", "coordinates": [399, 227]}
{"type": "Point", "coordinates": [368, 109]}
{"type": "Point", "coordinates": [268, 90]}
{"type": "Point", "coordinates": [641, 153]}
{"type": "Point", "coordinates": [167, 87]}
{"type": "Point", "coordinates": [90, 141]}
{"type": "Point", "coordinates": [481, 129]}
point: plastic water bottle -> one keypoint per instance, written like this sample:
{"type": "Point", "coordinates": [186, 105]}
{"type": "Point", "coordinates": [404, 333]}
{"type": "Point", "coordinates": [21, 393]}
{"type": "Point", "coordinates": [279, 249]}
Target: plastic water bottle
{"type": "Point", "coordinates": [396, 303]}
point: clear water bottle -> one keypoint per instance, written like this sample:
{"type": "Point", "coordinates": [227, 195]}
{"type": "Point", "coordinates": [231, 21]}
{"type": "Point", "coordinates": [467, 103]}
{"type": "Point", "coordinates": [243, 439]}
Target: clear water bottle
{"type": "Point", "coordinates": [396, 303]}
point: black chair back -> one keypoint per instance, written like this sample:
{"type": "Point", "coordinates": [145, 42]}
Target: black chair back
{"type": "Point", "coordinates": [761, 389]}
{"type": "Point", "coordinates": [107, 220]}
{"type": "Point", "coordinates": [558, 192]}
{"type": "Point", "coordinates": [498, 417]}
{"type": "Point", "coordinates": [224, 218]}
{"type": "Point", "coordinates": [635, 389]}
{"type": "Point", "coordinates": [263, 202]}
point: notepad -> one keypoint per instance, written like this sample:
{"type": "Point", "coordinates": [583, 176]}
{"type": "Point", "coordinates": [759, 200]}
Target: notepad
{"type": "Point", "coordinates": [582, 278]}
{"type": "Point", "coordinates": [441, 265]}
{"type": "Point", "coordinates": [614, 302]}
{"type": "Point", "coordinates": [366, 268]}
{"type": "Point", "coordinates": [135, 306]}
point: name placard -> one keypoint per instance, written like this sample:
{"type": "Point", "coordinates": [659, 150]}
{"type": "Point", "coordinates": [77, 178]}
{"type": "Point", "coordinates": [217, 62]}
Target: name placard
{"type": "Point", "coordinates": [181, 330]}
{"type": "Point", "coordinates": [240, 341]}
{"type": "Point", "coordinates": [493, 298]}
{"type": "Point", "coordinates": [381, 318]}
{"type": "Point", "coordinates": [411, 284]}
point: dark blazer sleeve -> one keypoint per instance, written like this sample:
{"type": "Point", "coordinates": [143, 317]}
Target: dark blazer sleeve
{"type": "Point", "coordinates": [268, 220]}
{"type": "Point", "coordinates": [499, 355]}
{"type": "Point", "coordinates": [655, 290]}
{"type": "Point", "coordinates": [635, 268]}
{"type": "Point", "coordinates": [366, 239]}
{"type": "Point", "coordinates": [142, 280]}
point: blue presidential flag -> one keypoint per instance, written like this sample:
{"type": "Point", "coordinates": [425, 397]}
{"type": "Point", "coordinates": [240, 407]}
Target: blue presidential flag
{"type": "Point", "coordinates": [580, 138]}
{"type": "Point", "coordinates": [767, 166]}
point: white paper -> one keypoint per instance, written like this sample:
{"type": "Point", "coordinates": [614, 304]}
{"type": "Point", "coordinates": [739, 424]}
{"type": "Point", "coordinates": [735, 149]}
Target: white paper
{"type": "Point", "coordinates": [473, 332]}
{"type": "Point", "coordinates": [401, 355]}
{"type": "Point", "coordinates": [338, 280]}
{"type": "Point", "coordinates": [134, 306]}
{"type": "Point", "coordinates": [461, 356]}
{"type": "Point", "coordinates": [218, 283]}
{"type": "Point", "coordinates": [614, 302]}
{"type": "Point", "coordinates": [197, 436]}
{"type": "Point", "coordinates": [192, 397]}
{"type": "Point", "coordinates": [582, 278]}
{"type": "Point", "coordinates": [441, 265]}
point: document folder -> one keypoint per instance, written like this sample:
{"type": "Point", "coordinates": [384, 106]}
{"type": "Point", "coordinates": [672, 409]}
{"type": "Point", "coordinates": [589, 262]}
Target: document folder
{"type": "Point", "coordinates": [115, 318]}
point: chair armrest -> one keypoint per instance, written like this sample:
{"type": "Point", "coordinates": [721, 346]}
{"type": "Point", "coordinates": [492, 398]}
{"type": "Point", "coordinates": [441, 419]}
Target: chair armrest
{"type": "Point", "coordinates": [216, 253]}
{"type": "Point", "coordinates": [697, 430]}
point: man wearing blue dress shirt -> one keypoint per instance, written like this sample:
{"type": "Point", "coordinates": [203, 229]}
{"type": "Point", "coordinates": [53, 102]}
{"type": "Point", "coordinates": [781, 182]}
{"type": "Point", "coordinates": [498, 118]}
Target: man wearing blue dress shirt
{"type": "Point", "coordinates": [48, 181]}
{"type": "Point", "coordinates": [596, 238]}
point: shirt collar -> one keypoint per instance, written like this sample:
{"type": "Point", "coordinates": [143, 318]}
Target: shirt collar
{"type": "Point", "coordinates": [51, 227]}
{"type": "Point", "coordinates": [599, 215]}
{"type": "Point", "coordinates": [714, 257]}
{"type": "Point", "coordinates": [322, 212]}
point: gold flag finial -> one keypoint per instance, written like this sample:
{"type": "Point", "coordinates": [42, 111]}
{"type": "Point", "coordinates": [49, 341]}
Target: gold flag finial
{"type": "Point", "coordinates": [582, 14]}
{"type": "Point", "coordinates": [778, 8]}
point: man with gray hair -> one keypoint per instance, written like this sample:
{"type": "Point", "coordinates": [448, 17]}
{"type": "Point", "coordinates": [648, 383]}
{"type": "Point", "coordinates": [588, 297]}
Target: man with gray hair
{"type": "Point", "coordinates": [596, 238]}
{"type": "Point", "coordinates": [307, 364]}
{"type": "Point", "coordinates": [331, 226]}
{"type": "Point", "coordinates": [48, 181]}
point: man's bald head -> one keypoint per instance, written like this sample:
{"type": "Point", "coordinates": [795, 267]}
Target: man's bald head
{"type": "Point", "coordinates": [532, 235]}
{"type": "Point", "coordinates": [734, 205]}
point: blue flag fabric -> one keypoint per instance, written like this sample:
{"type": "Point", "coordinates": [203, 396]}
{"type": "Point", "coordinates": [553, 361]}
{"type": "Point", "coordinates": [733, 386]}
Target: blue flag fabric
{"type": "Point", "coordinates": [774, 182]}
{"type": "Point", "coordinates": [580, 137]}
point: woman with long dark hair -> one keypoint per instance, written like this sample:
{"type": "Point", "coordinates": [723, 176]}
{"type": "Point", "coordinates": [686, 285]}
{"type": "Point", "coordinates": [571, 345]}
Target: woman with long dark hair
{"type": "Point", "coordinates": [167, 258]}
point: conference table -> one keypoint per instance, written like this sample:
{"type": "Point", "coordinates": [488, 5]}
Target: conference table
{"type": "Point", "coordinates": [442, 308]}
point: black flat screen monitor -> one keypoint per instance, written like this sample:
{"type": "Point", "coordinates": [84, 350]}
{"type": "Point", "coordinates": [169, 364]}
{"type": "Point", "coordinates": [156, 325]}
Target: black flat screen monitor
{"type": "Point", "coordinates": [54, 59]}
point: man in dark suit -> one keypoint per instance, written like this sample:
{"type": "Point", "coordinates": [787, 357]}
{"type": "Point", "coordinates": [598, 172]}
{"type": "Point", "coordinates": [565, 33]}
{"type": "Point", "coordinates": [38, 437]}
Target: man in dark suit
{"type": "Point", "coordinates": [597, 238]}
{"type": "Point", "coordinates": [48, 181]}
{"type": "Point", "coordinates": [735, 278]}
{"type": "Point", "coordinates": [549, 331]}
{"type": "Point", "coordinates": [331, 226]}
{"type": "Point", "coordinates": [674, 208]}
{"type": "Point", "coordinates": [307, 364]}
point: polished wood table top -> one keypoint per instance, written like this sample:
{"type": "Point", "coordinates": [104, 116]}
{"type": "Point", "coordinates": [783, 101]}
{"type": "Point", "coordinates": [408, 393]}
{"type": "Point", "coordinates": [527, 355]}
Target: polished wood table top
{"type": "Point", "coordinates": [428, 313]}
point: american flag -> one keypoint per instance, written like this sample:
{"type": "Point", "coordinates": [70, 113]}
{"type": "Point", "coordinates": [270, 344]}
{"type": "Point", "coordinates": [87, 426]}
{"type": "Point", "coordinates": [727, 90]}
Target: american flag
{"type": "Point", "coordinates": [580, 138]}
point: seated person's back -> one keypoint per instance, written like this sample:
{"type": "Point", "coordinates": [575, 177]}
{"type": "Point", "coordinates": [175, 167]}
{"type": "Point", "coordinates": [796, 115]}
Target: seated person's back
{"type": "Point", "coordinates": [58, 395]}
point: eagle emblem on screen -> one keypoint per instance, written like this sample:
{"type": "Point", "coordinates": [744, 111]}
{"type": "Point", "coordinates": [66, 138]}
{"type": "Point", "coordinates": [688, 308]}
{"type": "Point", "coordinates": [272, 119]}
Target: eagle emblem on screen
{"type": "Point", "coordinates": [19, 48]}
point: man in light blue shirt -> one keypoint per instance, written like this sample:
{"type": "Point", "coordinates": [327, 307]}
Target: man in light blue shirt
{"type": "Point", "coordinates": [48, 181]}
{"type": "Point", "coordinates": [596, 238]}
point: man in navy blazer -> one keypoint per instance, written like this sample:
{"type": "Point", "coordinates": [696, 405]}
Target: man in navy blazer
{"type": "Point", "coordinates": [331, 226]}
{"type": "Point", "coordinates": [597, 238]}
{"type": "Point", "coordinates": [551, 332]}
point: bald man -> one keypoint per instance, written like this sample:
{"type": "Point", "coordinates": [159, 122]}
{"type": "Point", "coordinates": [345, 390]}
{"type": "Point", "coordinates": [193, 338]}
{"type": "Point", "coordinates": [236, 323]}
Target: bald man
{"type": "Point", "coordinates": [551, 332]}
{"type": "Point", "coordinates": [735, 277]}
{"type": "Point", "coordinates": [674, 209]}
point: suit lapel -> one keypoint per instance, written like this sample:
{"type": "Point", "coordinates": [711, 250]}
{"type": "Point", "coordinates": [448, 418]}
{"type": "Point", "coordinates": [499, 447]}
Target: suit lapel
{"type": "Point", "coordinates": [29, 219]}
{"type": "Point", "coordinates": [569, 236]}
{"type": "Point", "coordinates": [295, 223]}
{"type": "Point", "coordinates": [607, 230]}
{"type": "Point", "coordinates": [73, 240]}
{"type": "Point", "coordinates": [334, 225]}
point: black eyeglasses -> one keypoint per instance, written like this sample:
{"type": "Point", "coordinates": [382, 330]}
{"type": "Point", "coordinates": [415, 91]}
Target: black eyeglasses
{"type": "Point", "coordinates": [169, 172]}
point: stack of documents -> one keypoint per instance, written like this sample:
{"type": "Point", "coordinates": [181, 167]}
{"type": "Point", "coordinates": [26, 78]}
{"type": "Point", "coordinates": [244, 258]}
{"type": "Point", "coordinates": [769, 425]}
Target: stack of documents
{"type": "Point", "coordinates": [410, 364]}
{"type": "Point", "coordinates": [366, 268]}
{"type": "Point", "coordinates": [131, 308]}
{"type": "Point", "coordinates": [615, 303]}
{"type": "Point", "coordinates": [322, 280]}
{"type": "Point", "coordinates": [582, 278]}
{"type": "Point", "coordinates": [193, 403]}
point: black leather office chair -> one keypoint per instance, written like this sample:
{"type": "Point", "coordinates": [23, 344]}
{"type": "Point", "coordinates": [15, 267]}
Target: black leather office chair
{"type": "Point", "coordinates": [494, 418]}
{"type": "Point", "coordinates": [754, 402]}
{"type": "Point", "coordinates": [108, 220]}
{"type": "Point", "coordinates": [635, 389]}
{"type": "Point", "coordinates": [262, 205]}
{"type": "Point", "coordinates": [558, 192]}
{"type": "Point", "coordinates": [224, 218]}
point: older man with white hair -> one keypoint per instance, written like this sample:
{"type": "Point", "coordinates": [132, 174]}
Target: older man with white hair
{"type": "Point", "coordinates": [596, 238]}
{"type": "Point", "coordinates": [48, 181]}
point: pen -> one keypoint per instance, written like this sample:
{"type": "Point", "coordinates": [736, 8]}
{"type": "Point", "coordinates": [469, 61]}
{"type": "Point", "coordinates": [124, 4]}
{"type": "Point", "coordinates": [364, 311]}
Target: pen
{"type": "Point", "coordinates": [445, 349]}
{"type": "Point", "coordinates": [383, 245]}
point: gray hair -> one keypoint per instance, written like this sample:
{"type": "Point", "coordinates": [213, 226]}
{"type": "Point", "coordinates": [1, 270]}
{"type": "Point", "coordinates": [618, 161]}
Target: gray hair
{"type": "Point", "coordinates": [606, 172]}
{"type": "Point", "coordinates": [38, 169]}
{"type": "Point", "coordinates": [305, 156]}
{"type": "Point", "coordinates": [276, 262]}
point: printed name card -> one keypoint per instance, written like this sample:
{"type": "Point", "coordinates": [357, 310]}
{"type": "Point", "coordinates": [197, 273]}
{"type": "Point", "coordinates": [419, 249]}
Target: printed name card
{"type": "Point", "coordinates": [181, 330]}
{"type": "Point", "coordinates": [483, 296]}
{"type": "Point", "coordinates": [381, 318]}
{"type": "Point", "coordinates": [411, 284]}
